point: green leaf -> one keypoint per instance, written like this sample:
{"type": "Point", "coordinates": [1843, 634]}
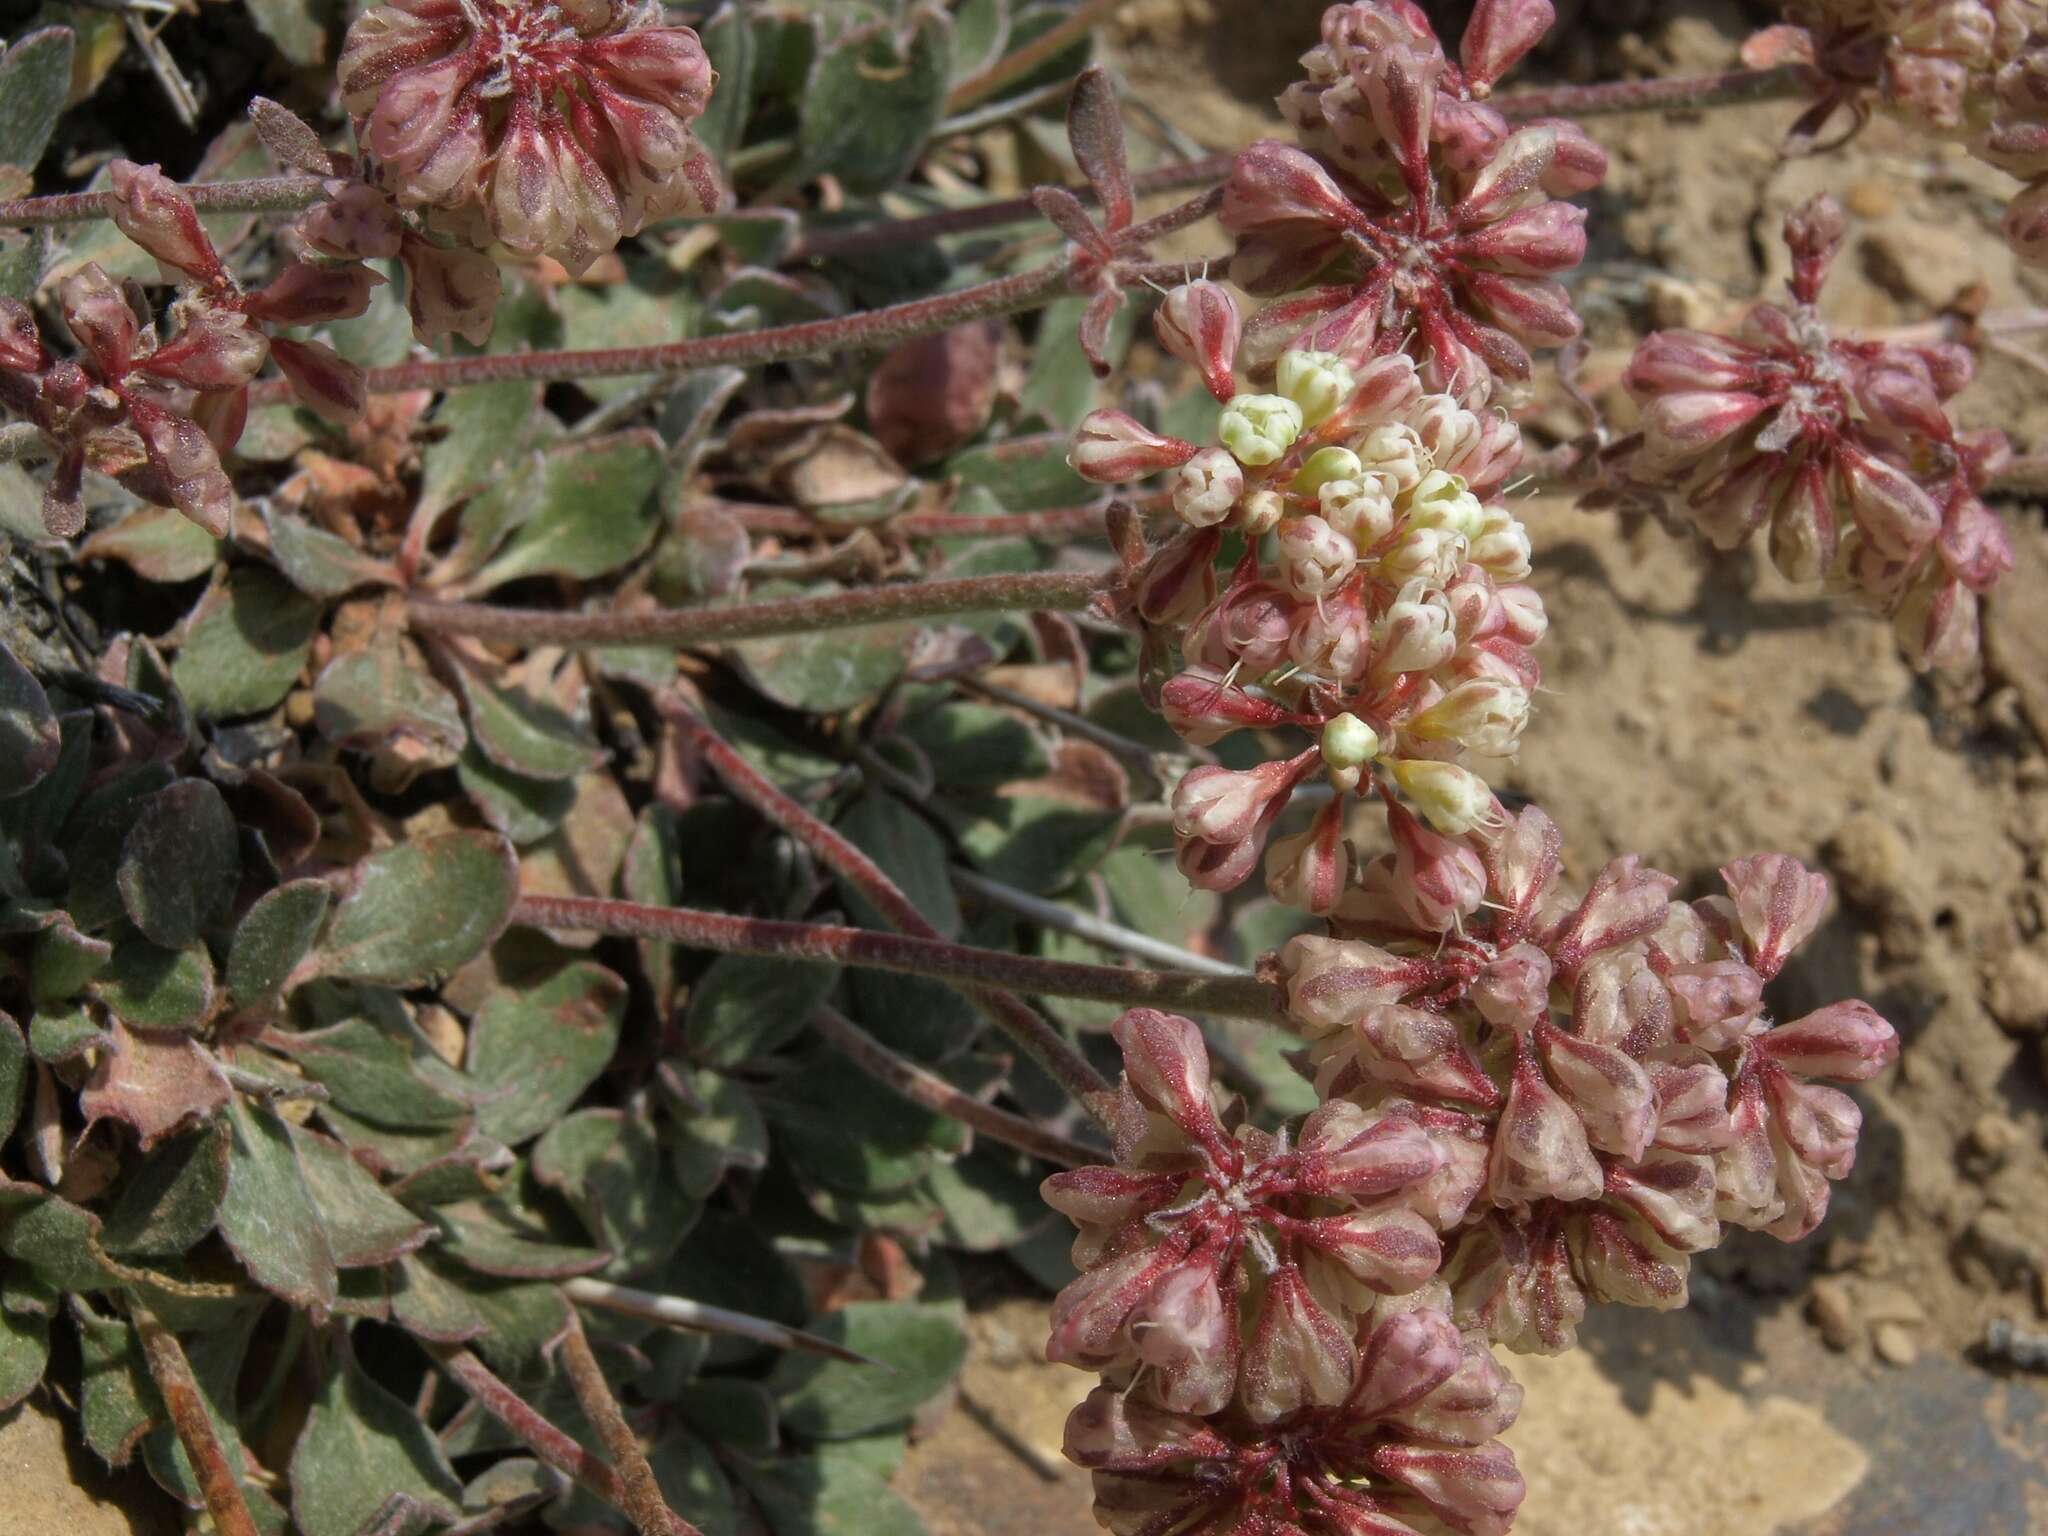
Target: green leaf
{"type": "Point", "coordinates": [1025, 474]}
{"type": "Point", "coordinates": [836, 1399]}
{"type": "Point", "coordinates": [534, 1050]}
{"type": "Point", "coordinates": [361, 1446]}
{"type": "Point", "coordinates": [426, 1302]}
{"type": "Point", "coordinates": [117, 1399]}
{"type": "Point", "coordinates": [35, 79]}
{"type": "Point", "coordinates": [726, 1132]}
{"type": "Point", "coordinates": [690, 1479]}
{"type": "Point", "coordinates": [151, 987]}
{"type": "Point", "coordinates": [59, 1034]}
{"type": "Point", "coordinates": [57, 1242]}
{"type": "Point", "coordinates": [297, 27]}
{"type": "Point", "coordinates": [24, 1351]}
{"type": "Point", "coordinates": [421, 909]}
{"type": "Point", "coordinates": [729, 43]}
{"type": "Point", "coordinates": [872, 102]}
{"type": "Point", "coordinates": [269, 1218]}
{"type": "Point", "coordinates": [608, 1166]}
{"type": "Point", "coordinates": [14, 1074]}
{"type": "Point", "coordinates": [594, 511]}
{"type": "Point", "coordinates": [990, 1198]}
{"type": "Point", "coordinates": [158, 543]}
{"type": "Point", "coordinates": [974, 746]}
{"type": "Point", "coordinates": [275, 934]}
{"type": "Point", "coordinates": [525, 810]}
{"type": "Point", "coordinates": [827, 671]}
{"type": "Point", "coordinates": [745, 1006]}
{"type": "Point", "coordinates": [486, 427]}
{"type": "Point", "coordinates": [981, 28]}
{"type": "Point", "coordinates": [64, 964]}
{"type": "Point", "coordinates": [375, 697]}
{"type": "Point", "coordinates": [526, 735]}
{"type": "Point", "coordinates": [1039, 844]}
{"type": "Point", "coordinates": [319, 563]}
{"type": "Point", "coordinates": [654, 306]}
{"type": "Point", "coordinates": [910, 853]}
{"type": "Point", "coordinates": [925, 1019]}
{"type": "Point", "coordinates": [96, 838]}
{"type": "Point", "coordinates": [653, 874]}
{"type": "Point", "coordinates": [368, 1072]}
{"type": "Point", "coordinates": [731, 1262]}
{"type": "Point", "coordinates": [172, 1201]}
{"type": "Point", "coordinates": [493, 1238]}
{"type": "Point", "coordinates": [521, 1320]}
{"type": "Point", "coordinates": [364, 1225]}
{"type": "Point", "coordinates": [30, 740]}
{"type": "Point", "coordinates": [180, 864]}
{"type": "Point", "coordinates": [1062, 384]}
{"type": "Point", "coordinates": [845, 1131]}
{"type": "Point", "coordinates": [245, 645]}
{"type": "Point", "coordinates": [819, 1496]}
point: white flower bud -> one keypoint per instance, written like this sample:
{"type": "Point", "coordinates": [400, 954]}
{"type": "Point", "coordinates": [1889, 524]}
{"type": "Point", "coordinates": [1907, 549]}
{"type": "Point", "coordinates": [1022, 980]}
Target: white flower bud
{"type": "Point", "coordinates": [1442, 501]}
{"type": "Point", "coordinates": [1486, 716]}
{"type": "Point", "coordinates": [1348, 742]}
{"type": "Point", "coordinates": [1449, 431]}
{"type": "Point", "coordinates": [1360, 511]}
{"type": "Point", "coordinates": [1454, 800]}
{"type": "Point", "coordinates": [1416, 635]}
{"type": "Point", "coordinates": [1430, 555]}
{"type": "Point", "coordinates": [1317, 382]}
{"type": "Point", "coordinates": [1259, 428]}
{"type": "Point", "coordinates": [1206, 488]}
{"type": "Point", "coordinates": [1501, 545]}
{"type": "Point", "coordinates": [1262, 513]}
{"type": "Point", "coordinates": [1315, 559]}
{"type": "Point", "coordinates": [1325, 465]}
{"type": "Point", "coordinates": [1395, 453]}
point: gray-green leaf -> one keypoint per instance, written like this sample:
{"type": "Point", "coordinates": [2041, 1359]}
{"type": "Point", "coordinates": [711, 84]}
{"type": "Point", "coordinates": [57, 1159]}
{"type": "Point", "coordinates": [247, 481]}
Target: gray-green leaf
{"type": "Point", "coordinates": [180, 864]}
{"type": "Point", "coordinates": [421, 909]}
{"type": "Point", "coordinates": [535, 1049]}
{"type": "Point", "coordinates": [360, 1447]}
{"type": "Point", "coordinates": [245, 645]}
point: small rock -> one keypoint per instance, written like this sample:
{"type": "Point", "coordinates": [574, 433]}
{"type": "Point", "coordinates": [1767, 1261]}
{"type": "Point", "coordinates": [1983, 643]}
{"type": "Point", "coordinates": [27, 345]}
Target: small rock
{"type": "Point", "coordinates": [2017, 991]}
{"type": "Point", "coordinates": [1998, 1243]}
{"type": "Point", "coordinates": [1991, 1140]}
{"type": "Point", "coordinates": [1871, 858]}
{"type": "Point", "coordinates": [1894, 1344]}
{"type": "Point", "coordinates": [1832, 1310]}
{"type": "Point", "coordinates": [1871, 200]}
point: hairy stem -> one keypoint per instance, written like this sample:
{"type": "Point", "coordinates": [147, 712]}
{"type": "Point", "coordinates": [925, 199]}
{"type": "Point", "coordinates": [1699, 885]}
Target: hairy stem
{"type": "Point", "coordinates": [643, 1502]}
{"type": "Point", "coordinates": [942, 1098]}
{"type": "Point", "coordinates": [179, 1388]}
{"type": "Point", "coordinates": [1735, 88]}
{"type": "Point", "coordinates": [1244, 997]}
{"type": "Point", "coordinates": [754, 621]}
{"type": "Point", "coordinates": [1015, 1018]}
{"type": "Point", "coordinates": [264, 194]}
{"type": "Point", "coordinates": [1048, 45]}
{"type": "Point", "coordinates": [527, 1424]}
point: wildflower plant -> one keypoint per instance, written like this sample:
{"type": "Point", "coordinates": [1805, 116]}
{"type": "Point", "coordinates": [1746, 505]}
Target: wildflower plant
{"type": "Point", "coordinates": [368, 1109]}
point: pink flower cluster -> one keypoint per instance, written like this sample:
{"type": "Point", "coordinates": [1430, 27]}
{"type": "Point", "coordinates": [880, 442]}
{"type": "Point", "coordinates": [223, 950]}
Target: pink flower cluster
{"type": "Point", "coordinates": [1842, 450]}
{"type": "Point", "coordinates": [1530, 1101]}
{"type": "Point", "coordinates": [1379, 602]}
{"type": "Point", "coordinates": [556, 127]}
{"type": "Point", "coordinates": [1421, 217]}
{"type": "Point", "coordinates": [156, 411]}
{"type": "Point", "coordinates": [1975, 71]}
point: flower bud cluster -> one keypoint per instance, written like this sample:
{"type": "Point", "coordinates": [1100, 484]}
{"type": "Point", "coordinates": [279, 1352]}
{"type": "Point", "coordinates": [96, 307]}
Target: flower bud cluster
{"type": "Point", "coordinates": [1379, 604]}
{"type": "Point", "coordinates": [1275, 1354]}
{"type": "Point", "coordinates": [1972, 71]}
{"type": "Point", "coordinates": [556, 127]}
{"type": "Point", "coordinates": [155, 409]}
{"type": "Point", "coordinates": [1841, 451]}
{"type": "Point", "coordinates": [1600, 1070]}
{"type": "Point", "coordinates": [1425, 218]}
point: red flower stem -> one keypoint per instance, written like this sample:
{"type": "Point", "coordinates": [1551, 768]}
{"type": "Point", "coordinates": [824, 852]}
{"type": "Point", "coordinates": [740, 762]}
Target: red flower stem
{"type": "Point", "coordinates": [884, 234]}
{"type": "Point", "coordinates": [527, 1425]}
{"type": "Point", "coordinates": [754, 621]}
{"type": "Point", "coordinates": [1737, 87]}
{"type": "Point", "coordinates": [1048, 45]}
{"type": "Point", "coordinates": [1050, 525]}
{"type": "Point", "coordinates": [1014, 1017]}
{"type": "Point", "coordinates": [179, 1388]}
{"type": "Point", "coordinates": [643, 1503]}
{"type": "Point", "coordinates": [264, 194]}
{"type": "Point", "coordinates": [1243, 997]}
{"type": "Point", "coordinates": [942, 1098]}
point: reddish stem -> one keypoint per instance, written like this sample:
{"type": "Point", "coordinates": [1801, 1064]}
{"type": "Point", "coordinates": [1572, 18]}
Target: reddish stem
{"type": "Point", "coordinates": [643, 1503]}
{"type": "Point", "coordinates": [263, 194]}
{"type": "Point", "coordinates": [527, 1425]}
{"type": "Point", "coordinates": [942, 1098]}
{"type": "Point", "coordinates": [1243, 997]}
{"type": "Point", "coordinates": [754, 621]}
{"type": "Point", "coordinates": [179, 1388]}
{"type": "Point", "coordinates": [1734, 88]}
{"type": "Point", "coordinates": [1015, 1018]}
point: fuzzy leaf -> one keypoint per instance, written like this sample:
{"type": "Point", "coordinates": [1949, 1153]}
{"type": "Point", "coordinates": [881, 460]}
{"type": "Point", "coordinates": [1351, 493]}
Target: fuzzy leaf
{"type": "Point", "coordinates": [493, 1238]}
{"type": "Point", "coordinates": [298, 28]}
{"type": "Point", "coordinates": [653, 874]}
{"type": "Point", "coordinates": [245, 645]}
{"type": "Point", "coordinates": [909, 853]}
{"type": "Point", "coordinates": [24, 1351]}
{"type": "Point", "coordinates": [269, 1218]}
{"type": "Point", "coordinates": [428, 1303]}
{"type": "Point", "coordinates": [836, 1399]}
{"type": "Point", "coordinates": [151, 987]}
{"type": "Point", "coordinates": [172, 1201]}
{"type": "Point", "coordinates": [872, 102]}
{"type": "Point", "coordinates": [118, 1401]}
{"type": "Point", "coordinates": [829, 671]}
{"type": "Point", "coordinates": [365, 1226]}
{"type": "Point", "coordinates": [58, 1034]}
{"type": "Point", "coordinates": [525, 735]}
{"type": "Point", "coordinates": [727, 1132]}
{"type": "Point", "coordinates": [974, 745]}
{"type": "Point", "coordinates": [159, 544]}
{"type": "Point", "coordinates": [56, 1242]}
{"type": "Point", "coordinates": [319, 563]}
{"type": "Point", "coordinates": [593, 511]}
{"type": "Point", "coordinates": [745, 1006]}
{"type": "Point", "coordinates": [375, 697]}
{"type": "Point", "coordinates": [525, 810]}
{"type": "Point", "coordinates": [534, 1050]}
{"type": "Point", "coordinates": [64, 964]}
{"type": "Point", "coordinates": [14, 1074]}
{"type": "Point", "coordinates": [847, 1132]}
{"type": "Point", "coordinates": [35, 78]}
{"type": "Point", "coordinates": [1025, 474]}
{"type": "Point", "coordinates": [96, 839]}
{"type": "Point", "coordinates": [153, 1084]}
{"type": "Point", "coordinates": [360, 1446]}
{"type": "Point", "coordinates": [1039, 844]}
{"type": "Point", "coordinates": [29, 737]}
{"type": "Point", "coordinates": [180, 864]}
{"type": "Point", "coordinates": [369, 1072]}
{"type": "Point", "coordinates": [825, 1496]}
{"type": "Point", "coordinates": [729, 43]}
{"type": "Point", "coordinates": [273, 937]}
{"type": "Point", "coordinates": [608, 1166]}
{"type": "Point", "coordinates": [485, 427]}
{"type": "Point", "coordinates": [421, 909]}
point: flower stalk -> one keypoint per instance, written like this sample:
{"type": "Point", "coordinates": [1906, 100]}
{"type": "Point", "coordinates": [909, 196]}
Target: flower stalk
{"type": "Point", "coordinates": [179, 1388]}
{"type": "Point", "coordinates": [643, 1503]}
{"type": "Point", "coordinates": [1244, 997]}
{"type": "Point", "coordinates": [527, 1424]}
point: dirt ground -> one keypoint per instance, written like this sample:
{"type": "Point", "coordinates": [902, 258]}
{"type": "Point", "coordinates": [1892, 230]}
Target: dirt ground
{"type": "Point", "coordinates": [1698, 708]}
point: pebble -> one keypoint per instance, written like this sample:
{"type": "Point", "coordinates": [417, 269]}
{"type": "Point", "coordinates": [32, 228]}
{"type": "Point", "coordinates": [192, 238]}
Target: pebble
{"type": "Point", "coordinates": [2017, 991]}
{"type": "Point", "coordinates": [1894, 1344]}
{"type": "Point", "coordinates": [1871, 200]}
{"type": "Point", "coordinates": [1991, 1140]}
{"type": "Point", "coordinates": [1833, 1311]}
